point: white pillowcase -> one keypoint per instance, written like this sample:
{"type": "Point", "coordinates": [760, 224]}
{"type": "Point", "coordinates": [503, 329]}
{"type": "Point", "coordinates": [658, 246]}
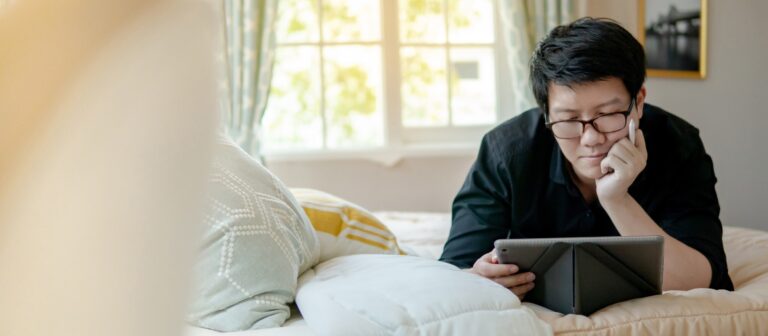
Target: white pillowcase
{"type": "Point", "coordinates": [404, 295]}
{"type": "Point", "coordinates": [256, 243]}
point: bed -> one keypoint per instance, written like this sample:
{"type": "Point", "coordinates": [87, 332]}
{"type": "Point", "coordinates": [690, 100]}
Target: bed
{"type": "Point", "coordinates": [694, 312]}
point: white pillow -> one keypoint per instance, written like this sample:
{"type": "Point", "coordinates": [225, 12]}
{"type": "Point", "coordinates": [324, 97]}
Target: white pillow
{"type": "Point", "coordinates": [257, 242]}
{"type": "Point", "coordinates": [404, 295]}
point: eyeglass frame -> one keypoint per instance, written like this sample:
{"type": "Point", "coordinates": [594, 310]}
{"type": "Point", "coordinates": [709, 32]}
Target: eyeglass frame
{"type": "Point", "coordinates": [584, 123]}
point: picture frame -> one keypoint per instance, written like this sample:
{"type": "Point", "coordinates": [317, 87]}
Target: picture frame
{"type": "Point", "coordinates": [674, 36]}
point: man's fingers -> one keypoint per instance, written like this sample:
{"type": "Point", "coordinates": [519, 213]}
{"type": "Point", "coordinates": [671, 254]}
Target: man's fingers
{"type": "Point", "coordinates": [638, 151]}
{"type": "Point", "coordinates": [606, 165]}
{"type": "Point", "coordinates": [515, 280]}
{"type": "Point", "coordinates": [490, 270]}
{"type": "Point", "coordinates": [640, 138]}
{"type": "Point", "coordinates": [621, 156]}
{"type": "Point", "coordinates": [611, 164]}
{"type": "Point", "coordinates": [624, 151]}
{"type": "Point", "coordinates": [488, 266]}
{"type": "Point", "coordinates": [520, 291]}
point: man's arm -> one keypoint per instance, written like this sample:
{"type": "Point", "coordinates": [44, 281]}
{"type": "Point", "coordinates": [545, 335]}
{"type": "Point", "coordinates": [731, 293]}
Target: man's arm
{"type": "Point", "coordinates": [480, 211]}
{"type": "Point", "coordinates": [693, 256]}
{"type": "Point", "coordinates": [481, 214]}
{"type": "Point", "coordinates": [684, 267]}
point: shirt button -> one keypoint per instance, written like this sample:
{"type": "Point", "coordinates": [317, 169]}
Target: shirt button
{"type": "Point", "coordinates": [589, 213]}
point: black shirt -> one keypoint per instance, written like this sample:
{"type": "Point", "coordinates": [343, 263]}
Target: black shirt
{"type": "Point", "coordinates": [519, 187]}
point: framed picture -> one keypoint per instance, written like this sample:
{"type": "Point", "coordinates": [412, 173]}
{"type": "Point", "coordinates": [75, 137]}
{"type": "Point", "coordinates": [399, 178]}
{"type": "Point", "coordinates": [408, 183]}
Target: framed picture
{"type": "Point", "coordinates": [674, 34]}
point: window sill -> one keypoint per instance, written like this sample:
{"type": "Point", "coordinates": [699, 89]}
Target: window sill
{"type": "Point", "coordinates": [386, 156]}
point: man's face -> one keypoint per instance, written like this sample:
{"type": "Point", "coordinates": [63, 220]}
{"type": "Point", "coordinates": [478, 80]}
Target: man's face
{"type": "Point", "coordinates": [585, 102]}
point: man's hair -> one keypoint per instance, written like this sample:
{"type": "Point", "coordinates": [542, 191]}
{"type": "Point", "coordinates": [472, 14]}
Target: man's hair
{"type": "Point", "coordinates": [586, 50]}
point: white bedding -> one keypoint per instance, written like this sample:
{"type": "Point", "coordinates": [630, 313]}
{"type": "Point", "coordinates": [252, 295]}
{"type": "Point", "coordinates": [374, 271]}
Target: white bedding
{"type": "Point", "coordinates": [740, 312]}
{"type": "Point", "coordinates": [419, 234]}
{"type": "Point", "coordinates": [381, 295]}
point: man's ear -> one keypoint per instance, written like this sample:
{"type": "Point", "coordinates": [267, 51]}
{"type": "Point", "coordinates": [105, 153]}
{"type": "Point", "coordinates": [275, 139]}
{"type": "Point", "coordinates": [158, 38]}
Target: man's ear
{"type": "Point", "coordinates": [640, 101]}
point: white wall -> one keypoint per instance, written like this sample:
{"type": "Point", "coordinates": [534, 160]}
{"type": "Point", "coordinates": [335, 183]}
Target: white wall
{"type": "Point", "coordinates": [416, 184]}
{"type": "Point", "coordinates": [729, 107]}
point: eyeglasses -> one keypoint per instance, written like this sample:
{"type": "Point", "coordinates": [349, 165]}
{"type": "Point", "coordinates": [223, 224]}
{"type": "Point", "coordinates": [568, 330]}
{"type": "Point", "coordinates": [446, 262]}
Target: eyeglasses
{"type": "Point", "coordinates": [606, 123]}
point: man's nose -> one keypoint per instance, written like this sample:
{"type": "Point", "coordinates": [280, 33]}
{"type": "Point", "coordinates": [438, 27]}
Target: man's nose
{"type": "Point", "coordinates": [591, 136]}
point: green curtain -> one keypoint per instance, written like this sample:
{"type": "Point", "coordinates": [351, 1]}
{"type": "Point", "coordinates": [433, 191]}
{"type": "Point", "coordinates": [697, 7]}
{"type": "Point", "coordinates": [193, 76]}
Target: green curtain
{"type": "Point", "coordinates": [524, 23]}
{"type": "Point", "coordinates": [249, 52]}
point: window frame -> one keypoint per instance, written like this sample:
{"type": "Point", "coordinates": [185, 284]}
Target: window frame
{"type": "Point", "coordinates": [402, 141]}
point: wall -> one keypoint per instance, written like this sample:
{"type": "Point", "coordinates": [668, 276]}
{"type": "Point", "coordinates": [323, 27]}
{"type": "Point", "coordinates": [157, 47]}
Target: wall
{"type": "Point", "coordinates": [414, 184]}
{"type": "Point", "coordinates": [728, 109]}
{"type": "Point", "coordinates": [726, 106]}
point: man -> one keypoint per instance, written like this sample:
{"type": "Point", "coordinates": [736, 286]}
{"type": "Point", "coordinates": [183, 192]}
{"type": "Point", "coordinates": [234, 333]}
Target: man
{"type": "Point", "coordinates": [567, 168]}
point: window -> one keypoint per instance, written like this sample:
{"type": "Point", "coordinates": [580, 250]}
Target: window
{"type": "Point", "coordinates": [383, 75]}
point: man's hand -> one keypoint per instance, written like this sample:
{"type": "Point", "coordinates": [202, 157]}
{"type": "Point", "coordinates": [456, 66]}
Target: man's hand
{"type": "Point", "coordinates": [506, 275]}
{"type": "Point", "coordinates": [621, 167]}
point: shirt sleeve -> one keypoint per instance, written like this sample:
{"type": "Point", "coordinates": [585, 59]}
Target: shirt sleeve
{"type": "Point", "coordinates": [691, 213]}
{"type": "Point", "coordinates": [481, 210]}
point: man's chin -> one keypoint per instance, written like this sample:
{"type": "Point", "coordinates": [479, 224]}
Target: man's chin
{"type": "Point", "coordinates": [591, 173]}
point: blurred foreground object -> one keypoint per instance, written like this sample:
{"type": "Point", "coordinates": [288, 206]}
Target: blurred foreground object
{"type": "Point", "coordinates": [107, 116]}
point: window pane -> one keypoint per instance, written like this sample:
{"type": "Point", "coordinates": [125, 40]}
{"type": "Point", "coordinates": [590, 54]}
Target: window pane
{"type": "Point", "coordinates": [473, 86]}
{"type": "Point", "coordinates": [297, 21]}
{"type": "Point", "coordinates": [424, 87]}
{"type": "Point", "coordinates": [470, 21]}
{"type": "Point", "coordinates": [292, 119]}
{"type": "Point", "coordinates": [353, 94]}
{"type": "Point", "coordinates": [351, 20]}
{"type": "Point", "coordinates": [422, 21]}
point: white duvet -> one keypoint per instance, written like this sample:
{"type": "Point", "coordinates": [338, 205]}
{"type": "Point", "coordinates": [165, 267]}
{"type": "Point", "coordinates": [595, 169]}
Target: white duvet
{"type": "Point", "coordinates": [405, 295]}
{"type": "Point", "coordinates": [402, 295]}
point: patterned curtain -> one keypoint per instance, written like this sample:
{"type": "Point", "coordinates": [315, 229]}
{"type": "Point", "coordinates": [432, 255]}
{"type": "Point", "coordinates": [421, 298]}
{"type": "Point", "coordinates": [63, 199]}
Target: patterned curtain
{"type": "Point", "coordinates": [249, 52]}
{"type": "Point", "coordinates": [524, 23]}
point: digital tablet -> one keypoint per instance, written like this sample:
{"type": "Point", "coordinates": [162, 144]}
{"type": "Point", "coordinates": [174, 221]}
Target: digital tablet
{"type": "Point", "coordinates": [582, 275]}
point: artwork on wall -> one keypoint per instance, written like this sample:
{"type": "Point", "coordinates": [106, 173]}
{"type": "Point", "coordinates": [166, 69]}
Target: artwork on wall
{"type": "Point", "coordinates": [674, 34]}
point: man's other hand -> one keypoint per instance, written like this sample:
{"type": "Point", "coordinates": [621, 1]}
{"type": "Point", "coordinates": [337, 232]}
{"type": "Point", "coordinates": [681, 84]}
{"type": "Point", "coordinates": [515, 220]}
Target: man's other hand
{"type": "Point", "coordinates": [504, 274]}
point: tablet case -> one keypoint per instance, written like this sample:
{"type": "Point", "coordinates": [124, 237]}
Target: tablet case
{"type": "Point", "coordinates": [581, 277]}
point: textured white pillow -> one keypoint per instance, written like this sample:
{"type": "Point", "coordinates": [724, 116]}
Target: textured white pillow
{"type": "Point", "coordinates": [403, 295]}
{"type": "Point", "coordinates": [257, 242]}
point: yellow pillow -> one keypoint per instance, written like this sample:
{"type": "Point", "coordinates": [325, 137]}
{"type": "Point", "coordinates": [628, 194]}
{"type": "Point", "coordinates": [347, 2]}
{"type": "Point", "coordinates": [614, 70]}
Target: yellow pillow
{"type": "Point", "coordinates": [344, 228]}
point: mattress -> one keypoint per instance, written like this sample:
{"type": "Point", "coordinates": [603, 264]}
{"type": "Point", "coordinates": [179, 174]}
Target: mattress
{"type": "Point", "coordinates": [699, 311]}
